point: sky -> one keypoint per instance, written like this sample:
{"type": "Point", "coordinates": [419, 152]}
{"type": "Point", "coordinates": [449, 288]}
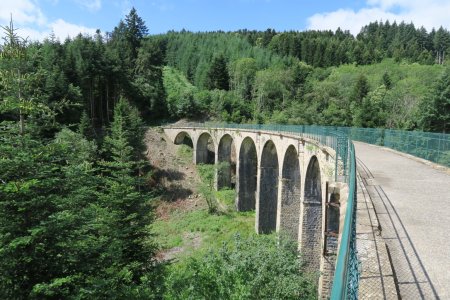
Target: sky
{"type": "Point", "coordinates": [37, 19]}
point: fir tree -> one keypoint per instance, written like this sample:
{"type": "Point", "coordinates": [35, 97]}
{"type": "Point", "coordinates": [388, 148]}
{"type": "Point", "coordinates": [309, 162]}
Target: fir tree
{"type": "Point", "coordinates": [218, 77]}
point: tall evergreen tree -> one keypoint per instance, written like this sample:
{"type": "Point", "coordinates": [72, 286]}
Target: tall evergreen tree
{"type": "Point", "coordinates": [436, 108]}
{"type": "Point", "coordinates": [19, 83]}
{"type": "Point", "coordinates": [135, 31]}
{"type": "Point", "coordinates": [218, 77]}
{"type": "Point", "coordinates": [360, 90]}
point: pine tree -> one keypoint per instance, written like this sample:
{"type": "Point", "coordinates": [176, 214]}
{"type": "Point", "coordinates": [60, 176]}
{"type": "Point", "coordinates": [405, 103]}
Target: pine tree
{"type": "Point", "coordinates": [360, 90]}
{"type": "Point", "coordinates": [84, 126]}
{"type": "Point", "coordinates": [135, 31]}
{"type": "Point", "coordinates": [218, 77]}
{"type": "Point", "coordinates": [436, 107]}
{"type": "Point", "coordinates": [387, 81]}
{"type": "Point", "coordinates": [18, 83]}
{"type": "Point", "coordinates": [125, 196]}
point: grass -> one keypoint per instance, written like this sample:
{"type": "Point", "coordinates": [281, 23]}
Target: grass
{"type": "Point", "coordinates": [213, 229]}
{"type": "Point", "coordinates": [185, 153]}
{"type": "Point", "coordinates": [226, 198]}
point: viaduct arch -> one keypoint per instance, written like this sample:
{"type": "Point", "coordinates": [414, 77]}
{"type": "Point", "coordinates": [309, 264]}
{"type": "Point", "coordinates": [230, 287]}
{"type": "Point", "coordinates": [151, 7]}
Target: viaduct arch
{"type": "Point", "coordinates": [247, 176]}
{"type": "Point", "coordinates": [290, 193]}
{"type": "Point", "coordinates": [283, 177]}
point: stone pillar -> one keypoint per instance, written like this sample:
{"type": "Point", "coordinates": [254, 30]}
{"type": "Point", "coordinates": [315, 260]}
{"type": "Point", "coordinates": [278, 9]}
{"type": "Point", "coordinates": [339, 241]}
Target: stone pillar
{"type": "Point", "coordinates": [331, 236]}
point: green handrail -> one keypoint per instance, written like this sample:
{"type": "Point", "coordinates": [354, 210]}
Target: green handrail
{"type": "Point", "coordinates": [346, 276]}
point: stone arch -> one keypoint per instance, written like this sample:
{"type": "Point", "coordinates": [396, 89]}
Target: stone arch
{"type": "Point", "coordinates": [311, 240]}
{"type": "Point", "coordinates": [290, 193]}
{"type": "Point", "coordinates": [205, 149]}
{"type": "Point", "coordinates": [268, 191]}
{"type": "Point", "coordinates": [247, 177]}
{"type": "Point", "coordinates": [183, 138]}
{"type": "Point", "coordinates": [226, 154]}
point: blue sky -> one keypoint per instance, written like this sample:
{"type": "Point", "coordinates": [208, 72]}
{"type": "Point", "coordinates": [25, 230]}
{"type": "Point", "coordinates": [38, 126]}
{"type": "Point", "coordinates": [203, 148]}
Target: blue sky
{"type": "Point", "coordinates": [37, 18]}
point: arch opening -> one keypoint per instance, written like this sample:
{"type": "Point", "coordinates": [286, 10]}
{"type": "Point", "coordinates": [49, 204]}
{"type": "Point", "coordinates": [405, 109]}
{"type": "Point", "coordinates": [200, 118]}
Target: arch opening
{"type": "Point", "coordinates": [205, 149]}
{"type": "Point", "coordinates": [311, 241]}
{"type": "Point", "coordinates": [290, 194]}
{"type": "Point", "coordinates": [226, 173]}
{"type": "Point", "coordinates": [332, 222]}
{"type": "Point", "coordinates": [247, 177]}
{"type": "Point", "coordinates": [183, 138]}
{"type": "Point", "coordinates": [268, 194]}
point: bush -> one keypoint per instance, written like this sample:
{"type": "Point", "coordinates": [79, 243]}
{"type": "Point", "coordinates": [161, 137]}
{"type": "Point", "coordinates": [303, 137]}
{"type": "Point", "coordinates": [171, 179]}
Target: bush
{"type": "Point", "coordinates": [259, 267]}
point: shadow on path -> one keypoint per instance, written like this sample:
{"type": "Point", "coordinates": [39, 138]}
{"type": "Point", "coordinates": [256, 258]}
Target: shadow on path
{"type": "Point", "coordinates": [411, 278]}
{"type": "Point", "coordinates": [376, 278]}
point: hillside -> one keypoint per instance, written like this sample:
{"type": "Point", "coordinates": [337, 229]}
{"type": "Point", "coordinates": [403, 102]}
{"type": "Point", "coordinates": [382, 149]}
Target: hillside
{"type": "Point", "coordinates": [385, 94]}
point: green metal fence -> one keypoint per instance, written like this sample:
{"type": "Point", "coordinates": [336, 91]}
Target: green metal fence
{"type": "Point", "coordinates": [346, 276]}
{"type": "Point", "coordinates": [434, 147]}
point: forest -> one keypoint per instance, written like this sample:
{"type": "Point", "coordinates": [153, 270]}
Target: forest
{"type": "Point", "coordinates": [76, 209]}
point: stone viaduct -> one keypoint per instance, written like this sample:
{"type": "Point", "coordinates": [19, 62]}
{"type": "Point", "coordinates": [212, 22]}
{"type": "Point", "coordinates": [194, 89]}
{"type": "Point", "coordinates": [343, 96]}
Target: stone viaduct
{"type": "Point", "coordinates": [289, 180]}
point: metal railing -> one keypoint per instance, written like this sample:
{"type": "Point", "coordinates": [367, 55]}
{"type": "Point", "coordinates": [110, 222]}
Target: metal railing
{"type": "Point", "coordinates": [346, 277]}
{"type": "Point", "coordinates": [434, 147]}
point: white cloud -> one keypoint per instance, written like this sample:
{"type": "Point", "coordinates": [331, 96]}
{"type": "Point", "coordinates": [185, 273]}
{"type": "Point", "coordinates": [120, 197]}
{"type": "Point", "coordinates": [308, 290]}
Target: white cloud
{"type": "Point", "coordinates": [427, 13]}
{"type": "Point", "coordinates": [63, 29]}
{"type": "Point", "coordinates": [91, 5]}
{"type": "Point", "coordinates": [34, 25]}
{"type": "Point", "coordinates": [23, 12]}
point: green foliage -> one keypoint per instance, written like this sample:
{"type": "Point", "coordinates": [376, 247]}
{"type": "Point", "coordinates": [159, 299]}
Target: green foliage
{"type": "Point", "coordinates": [180, 94]}
{"type": "Point", "coordinates": [360, 90]}
{"type": "Point", "coordinates": [252, 268]}
{"type": "Point", "coordinates": [84, 126]}
{"type": "Point", "coordinates": [148, 79]}
{"type": "Point", "coordinates": [254, 76]}
{"type": "Point", "coordinates": [88, 232]}
{"type": "Point", "coordinates": [372, 112]}
{"type": "Point", "coordinates": [328, 95]}
{"type": "Point", "coordinates": [227, 197]}
{"type": "Point", "coordinates": [218, 77]}
{"type": "Point", "coordinates": [387, 81]}
{"type": "Point", "coordinates": [193, 53]}
{"type": "Point", "coordinates": [436, 107]}
{"type": "Point", "coordinates": [207, 176]}
{"type": "Point", "coordinates": [213, 229]}
{"type": "Point", "coordinates": [20, 90]}
{"type": "Point", "coordinates": [127, 125]}
{"type": "Point", "coordinates": [135, 30]}
{"type": "Point", "coordinates": [185, 153]}
{"type": "Point", "coordinates": [243, 73]}
{"type": "Point", "coordinates": [87, 228]}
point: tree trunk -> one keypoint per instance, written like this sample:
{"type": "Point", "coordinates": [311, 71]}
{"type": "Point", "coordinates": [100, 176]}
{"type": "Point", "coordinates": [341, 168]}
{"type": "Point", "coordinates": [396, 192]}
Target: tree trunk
{"type": "Point", "coordinates": [107, 102]}
{"type": "Point", "coordinates": [21, 116]}
{"type": "Point", "coordinates": [22, 123]}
